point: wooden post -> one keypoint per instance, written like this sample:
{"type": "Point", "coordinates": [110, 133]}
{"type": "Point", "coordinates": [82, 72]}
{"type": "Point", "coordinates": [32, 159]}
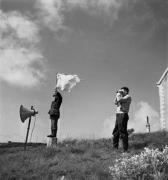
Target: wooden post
{"type": "Point", "coordinates": [27, 133]}
{"type": "Point", "coordinates": [56, 78]}
{"type": "Point", "coordinates": [51, 141]}
{"type": "Point", "coordinates": [147, 125]}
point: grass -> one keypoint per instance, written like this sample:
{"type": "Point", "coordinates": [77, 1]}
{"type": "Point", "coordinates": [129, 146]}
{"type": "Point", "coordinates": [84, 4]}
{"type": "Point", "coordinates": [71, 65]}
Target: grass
{"type": "Point", "coordinates": [71, 159]}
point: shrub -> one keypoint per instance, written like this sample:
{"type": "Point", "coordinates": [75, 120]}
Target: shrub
{"type": "Point", "coordinates": [149, 164]}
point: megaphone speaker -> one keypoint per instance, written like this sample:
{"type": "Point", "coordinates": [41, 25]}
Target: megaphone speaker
{"type": "Point", "coordinates": [26, 113]}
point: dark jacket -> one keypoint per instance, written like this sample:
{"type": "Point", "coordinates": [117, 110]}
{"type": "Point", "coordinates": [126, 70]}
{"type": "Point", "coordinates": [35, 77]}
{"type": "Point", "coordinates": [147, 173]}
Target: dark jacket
{"type": "Point", "coordinates": [55, 105]}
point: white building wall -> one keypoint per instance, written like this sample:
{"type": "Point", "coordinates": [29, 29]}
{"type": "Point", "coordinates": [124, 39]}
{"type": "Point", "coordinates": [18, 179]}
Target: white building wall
{"type": "Point", "coordinates": [163, 94]}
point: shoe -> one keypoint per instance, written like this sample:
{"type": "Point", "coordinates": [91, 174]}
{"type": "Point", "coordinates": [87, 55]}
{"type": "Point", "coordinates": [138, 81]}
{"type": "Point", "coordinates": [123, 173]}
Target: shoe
{"type": "Point", "coordinates": [50, 135]}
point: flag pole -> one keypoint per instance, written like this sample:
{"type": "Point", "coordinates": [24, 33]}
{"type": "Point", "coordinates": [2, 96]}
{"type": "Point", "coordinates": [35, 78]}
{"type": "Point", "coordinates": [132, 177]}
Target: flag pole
{"type": "Point", "coordinates": [56, 78]}
{"type": "Point", "coordinates": [56, 84]}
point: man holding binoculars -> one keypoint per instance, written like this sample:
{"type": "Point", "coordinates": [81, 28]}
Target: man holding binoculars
{"type": "Point", "coordinates": [122, 101]}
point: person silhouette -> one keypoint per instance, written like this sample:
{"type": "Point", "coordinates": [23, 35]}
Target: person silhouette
{"type": "Point", "coordinates": [54, 112]}
{"type": "Point", "coordinates": [120, 130]}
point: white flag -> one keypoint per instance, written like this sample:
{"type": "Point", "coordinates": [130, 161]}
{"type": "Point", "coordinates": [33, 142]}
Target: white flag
{"type": "Point", "coordinates": [66, 82]}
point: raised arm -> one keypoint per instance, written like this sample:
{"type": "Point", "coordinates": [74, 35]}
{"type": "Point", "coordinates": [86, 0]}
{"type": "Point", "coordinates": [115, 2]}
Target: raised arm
{"type": "Point", "coordinates": [117, 98]}
{"type": "Point", "coordinates": [124, 99]}
{"type": "Point", "coordinates": [115, 101]}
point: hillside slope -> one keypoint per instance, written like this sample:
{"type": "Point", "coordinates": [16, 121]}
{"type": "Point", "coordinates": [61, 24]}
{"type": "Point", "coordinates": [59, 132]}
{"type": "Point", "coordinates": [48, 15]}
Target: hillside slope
{"type": "Point", "coordinates": [71, 159]}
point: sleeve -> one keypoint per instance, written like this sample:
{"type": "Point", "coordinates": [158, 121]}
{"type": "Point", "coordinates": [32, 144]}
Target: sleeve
{"type": "Point", "coordinates": [124, 99]}
{"type": "Point", "coordinates": [51, 107]}
{"type": "Point", "coordinates": [49, 111]}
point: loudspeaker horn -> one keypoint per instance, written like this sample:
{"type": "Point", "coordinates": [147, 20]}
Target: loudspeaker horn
{"type": "Point", "coordinates": [25, 113]}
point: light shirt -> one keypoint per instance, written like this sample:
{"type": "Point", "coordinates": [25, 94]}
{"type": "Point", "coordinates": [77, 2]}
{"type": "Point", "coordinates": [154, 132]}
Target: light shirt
{"type": "Point", "coordinates": [123, 103]}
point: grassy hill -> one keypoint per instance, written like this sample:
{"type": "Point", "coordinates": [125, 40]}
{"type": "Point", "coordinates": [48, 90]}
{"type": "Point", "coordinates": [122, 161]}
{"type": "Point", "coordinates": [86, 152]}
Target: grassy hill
{"type": "Point", "coordinates": [71, 159]}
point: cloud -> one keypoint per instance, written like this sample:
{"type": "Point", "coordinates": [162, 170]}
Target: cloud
{"type": "Point", "coordinates": [144, 109]}
{"type": "Point", "coordinates": [18, 26]}
{"type": "Point", "coordinates": [21, 63]}
{"type": "Point", "coordinates": [107, 6]}
{"type": "Point", "coordinates": [52, 11]}
{"type": "Point", "coordinates": [138, 18]}
{"type": "Point", "coordinates": [16, 69]}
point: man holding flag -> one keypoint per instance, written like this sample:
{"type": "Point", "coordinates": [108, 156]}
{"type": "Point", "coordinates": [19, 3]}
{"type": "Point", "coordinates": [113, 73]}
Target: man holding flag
{"type": "Point", "coordinates": [54, 113]}
{"type": "Point", "coordinates": [63, 83]}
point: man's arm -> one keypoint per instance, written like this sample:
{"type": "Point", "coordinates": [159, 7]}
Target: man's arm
{"type": "Point", "coordinates": [124, 99]}
{"type": "Point", "coordinates": [117, 98]}
{"type": "Point", "coordinates": [115, 101]}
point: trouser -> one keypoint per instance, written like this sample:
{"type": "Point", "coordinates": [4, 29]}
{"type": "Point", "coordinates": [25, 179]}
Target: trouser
{"type": "Point", "coordinates": [54, 124]}
{"type": "Point", "coordinates": [120, 130]}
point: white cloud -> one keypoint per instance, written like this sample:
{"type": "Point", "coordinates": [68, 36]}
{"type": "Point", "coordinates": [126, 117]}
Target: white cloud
{"type": "Point", "coordinates": [99, 4]}
{"type": "Point", "coordinates": [18, 26]}
{"type": "Point", "coordinates": [139, 121]}
{"type": "Point", "coordinates": [52, 11]}
{"type": "Point", "coordinates": [16, 66]}
{"type": "Point", "coordinates": [19, 57]}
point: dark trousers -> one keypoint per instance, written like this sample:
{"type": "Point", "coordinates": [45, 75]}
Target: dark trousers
{"type": "Point", "coordinates": [54, 124]}
{"type": "Point", "coordinates": [120, 130]}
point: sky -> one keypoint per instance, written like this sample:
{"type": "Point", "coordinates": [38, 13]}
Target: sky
{"type": "Point", "coordinates": [107, 43]}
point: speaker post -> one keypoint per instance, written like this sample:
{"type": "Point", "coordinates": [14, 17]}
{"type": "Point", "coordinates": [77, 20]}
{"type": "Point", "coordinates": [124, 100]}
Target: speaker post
{"type": "Point", "coordinates": [28, 127]}
{"type": "Point", "coordinates": [24, 114]}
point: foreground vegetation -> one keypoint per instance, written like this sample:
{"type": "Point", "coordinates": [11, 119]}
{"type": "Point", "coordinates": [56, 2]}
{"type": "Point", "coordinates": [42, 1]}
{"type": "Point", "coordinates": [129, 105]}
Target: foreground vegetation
{"type": "Point", "coordinates": [149, 164]}
{"type": "Point", "coordinates": [87, 160]}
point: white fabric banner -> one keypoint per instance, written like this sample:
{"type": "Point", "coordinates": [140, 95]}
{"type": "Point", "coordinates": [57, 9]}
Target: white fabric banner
{"type": "Point", "coordinates": [66, 82]}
